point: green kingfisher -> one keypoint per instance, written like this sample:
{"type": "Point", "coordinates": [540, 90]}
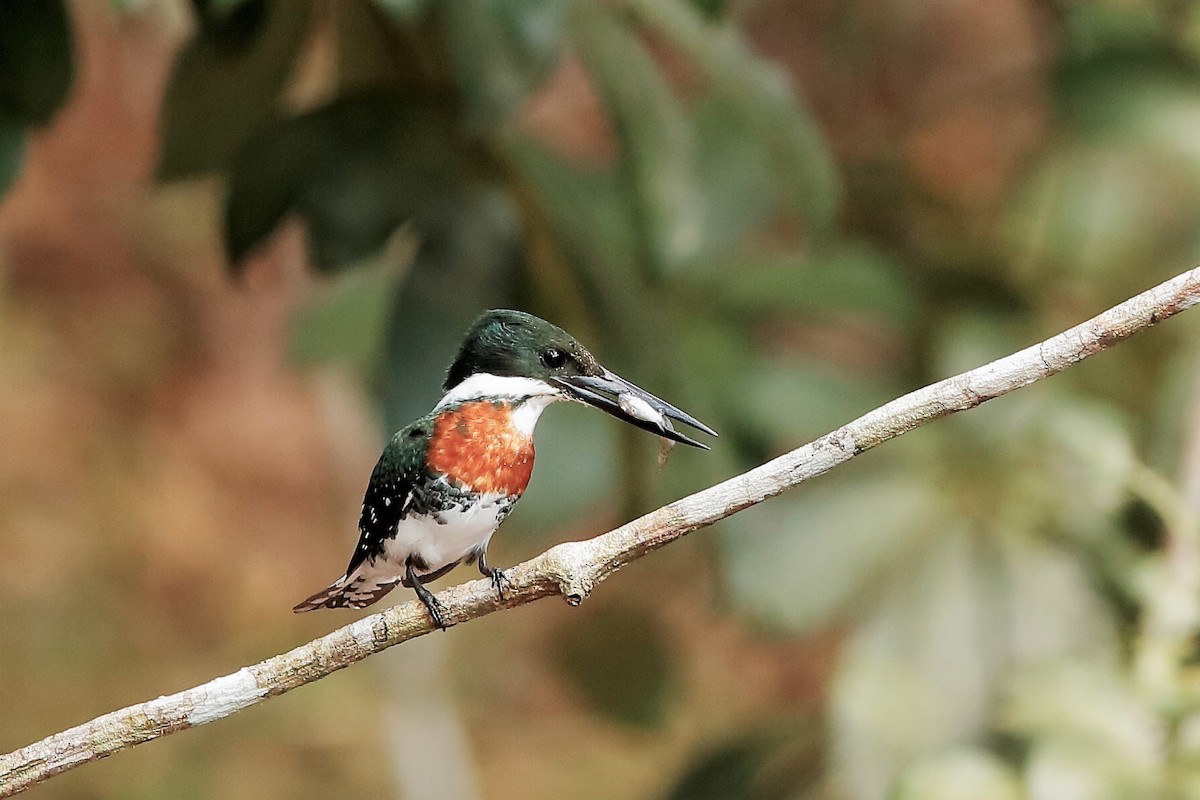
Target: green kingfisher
{"type": "Point", "coordinates": [446, 481]}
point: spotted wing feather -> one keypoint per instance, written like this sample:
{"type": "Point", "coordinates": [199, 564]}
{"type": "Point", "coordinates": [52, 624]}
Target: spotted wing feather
{"type": "Point", "coordinates": [392, 493]}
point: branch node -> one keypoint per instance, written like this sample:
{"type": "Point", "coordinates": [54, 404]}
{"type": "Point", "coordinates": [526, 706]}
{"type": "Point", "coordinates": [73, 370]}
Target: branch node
{"type": "Point", "coordinates": [569, 566]}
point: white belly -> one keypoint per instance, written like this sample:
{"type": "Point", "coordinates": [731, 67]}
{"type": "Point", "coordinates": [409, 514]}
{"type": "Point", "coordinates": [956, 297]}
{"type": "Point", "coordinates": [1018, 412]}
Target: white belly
{"type": "Point", "coordinates": [438, 543]}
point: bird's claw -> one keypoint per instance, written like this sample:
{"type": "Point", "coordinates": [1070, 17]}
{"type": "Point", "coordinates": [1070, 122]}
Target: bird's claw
{"type": "Point", "coordinates": [499, 581]}
{"type": "Point", "coordinates": [434, 606]}
{"type": "Point", "coordinates": [436, 610]}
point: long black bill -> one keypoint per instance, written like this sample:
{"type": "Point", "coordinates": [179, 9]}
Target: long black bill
{"type": "Point", "coordinates": [626, 401]}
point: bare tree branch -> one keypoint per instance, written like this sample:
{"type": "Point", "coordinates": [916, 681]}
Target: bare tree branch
{"type": "Point", "coordinates": [572, 570]}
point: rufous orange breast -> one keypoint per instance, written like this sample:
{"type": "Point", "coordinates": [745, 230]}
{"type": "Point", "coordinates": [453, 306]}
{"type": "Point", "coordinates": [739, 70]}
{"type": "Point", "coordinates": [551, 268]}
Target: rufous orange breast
{"type": "Point", "coordinates": [477, 445]}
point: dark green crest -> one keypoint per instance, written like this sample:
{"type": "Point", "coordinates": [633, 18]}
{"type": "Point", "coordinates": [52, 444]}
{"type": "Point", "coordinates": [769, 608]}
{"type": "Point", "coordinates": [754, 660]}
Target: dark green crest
{"type": "Point", "coordinates": [512, 343]}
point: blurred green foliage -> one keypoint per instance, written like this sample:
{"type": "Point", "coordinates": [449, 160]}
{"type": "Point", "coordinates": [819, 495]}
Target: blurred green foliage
{"type": "Point", "coordinates": [226, 81]}
{"type": "Point", "coordinates": [36, 67]}
{"type": "Point", "coordinates": [622, 662]}
{"type": "Point", "coordinates": [707, 214]}
{"type": "Point", "coordinates": [36, 63]}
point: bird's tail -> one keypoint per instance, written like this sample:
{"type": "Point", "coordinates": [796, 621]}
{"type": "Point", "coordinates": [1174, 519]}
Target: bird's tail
{"type": "Point", "coordinates": [358, 589]}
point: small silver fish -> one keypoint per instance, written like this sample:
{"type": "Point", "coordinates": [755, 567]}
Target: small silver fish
{"type": "Point", "coordinates": [635, 406]}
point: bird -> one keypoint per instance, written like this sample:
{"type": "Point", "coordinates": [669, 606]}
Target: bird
{"type": "Point", "coordinates": [446, 481]}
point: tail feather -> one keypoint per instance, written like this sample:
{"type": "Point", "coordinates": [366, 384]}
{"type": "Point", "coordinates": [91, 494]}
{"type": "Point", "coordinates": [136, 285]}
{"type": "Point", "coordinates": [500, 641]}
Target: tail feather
{"type": "Point", "coordinates": [356, 590]}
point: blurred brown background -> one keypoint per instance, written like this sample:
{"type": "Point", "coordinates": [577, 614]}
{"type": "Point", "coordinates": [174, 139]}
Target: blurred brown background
{"type": "Point", "coordinates": [239, 240]}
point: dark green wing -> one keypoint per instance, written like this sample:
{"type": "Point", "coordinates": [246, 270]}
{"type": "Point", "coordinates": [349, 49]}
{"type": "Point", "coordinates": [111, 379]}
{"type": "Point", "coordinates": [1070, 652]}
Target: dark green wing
{"type": "Point", "coordinates": [389, 493]}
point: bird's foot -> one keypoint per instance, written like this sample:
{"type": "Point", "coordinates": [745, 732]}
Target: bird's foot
{"type": "Point", "coordinates": [434, 606]}
{"type": "Point", "coordinates": [497, 576]}
{"type": "Point", "coordinates": [500, 580]}
{"type": "Point", "coordinates": [436, 611]}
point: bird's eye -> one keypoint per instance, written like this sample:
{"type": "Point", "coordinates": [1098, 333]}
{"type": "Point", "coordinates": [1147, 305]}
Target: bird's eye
{"type": "Point", "coordinates": [553, 358]}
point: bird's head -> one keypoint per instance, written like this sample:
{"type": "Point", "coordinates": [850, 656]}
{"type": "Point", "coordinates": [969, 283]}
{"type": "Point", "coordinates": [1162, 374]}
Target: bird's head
{"type": "Point", "coordinates": [513, 344]}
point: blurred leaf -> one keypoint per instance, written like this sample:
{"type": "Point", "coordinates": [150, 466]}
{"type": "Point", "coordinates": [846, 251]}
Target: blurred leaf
{"type": "Point", "coordinates": [1005, 465]}
{"type": "Point", "coordinates": [736, 185]}
{"type": "Point", "coordinates": [12, 153]}
{"type": "Point", "coordinates": [965, 773]}
{"type": "Point", "coordinates": [766, 105]}
{"type": "Point", "coordinates": [1168, 413]}
{"type": "Point", "coordinates": [468, 260]}
{"type": "Point", "coordinates": [355, 170]}
{"type": "Point", "coordinates": [500, 50]}
{"type": "Point", "coordinates": [849, 277]}
{"type": "Point", "coordinates": [406, 11]}
{"type": "Point", "coordinates": [36, 64]}
{"type": "Point", "coordinates": [739, 196]}
{"type": "Point", "coordinates": [347, 323]}
{"type": "Point", "coordinates": [915, 676]}
{"type": "Point", "coordinates": [1009, 466]}
{"type": "Point", "coordinates": [385, 46]}
{"type": "Point", "coordinates": [620, 658]}
{"type": "Point", "coordinates": [1025, 446]}
{"type": "Point", "coordinates": [1123, 99]}
{"type": "Point", "coordinates": [1187, 30]}
{"type": "Point", "coordinates": [920, 675]}
{"type": "Point", "coordinates": [1126, 188]}
{"type": "Point", "coordinates": [1089, 212]}
{"type": "Point", "coordinates": [725, 774]}
{"type": "Point", "coordinates": [225, 86]}
{"type": "Point", "coordinates": [1089, 704]}
{"type": "Point", "coordinates": [656, 140]}
{"type": "Point", "coordinates": [771, 764]}
{"type": "Point", "coordinates": [584, 210]}
{"type": "Point", "coordinates": [1061, 771]}
{"type": "Point", "coordinates": [965, 339]}
{"type": "Point", "coordinates": [700, 179]}
{"type": "Point", "coordinates": [797, 562]}
{"type": "Point", "coordinates": [231, 26]}
{"type": "Point", "coordinates": [772, 389]}
{"type": "Point", "coordinates": [1094, 739]}
{"type": "Point", "coordinates": [1051, 607]}
{"type": "Point", "coordinates": [1102, 28]}
{"type": "Point", "coordinates": [224, 8]}
{"type": "Point", "coordinates": [712, 9]}
{"type": "Point", "coordinates": [1089, 447]}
